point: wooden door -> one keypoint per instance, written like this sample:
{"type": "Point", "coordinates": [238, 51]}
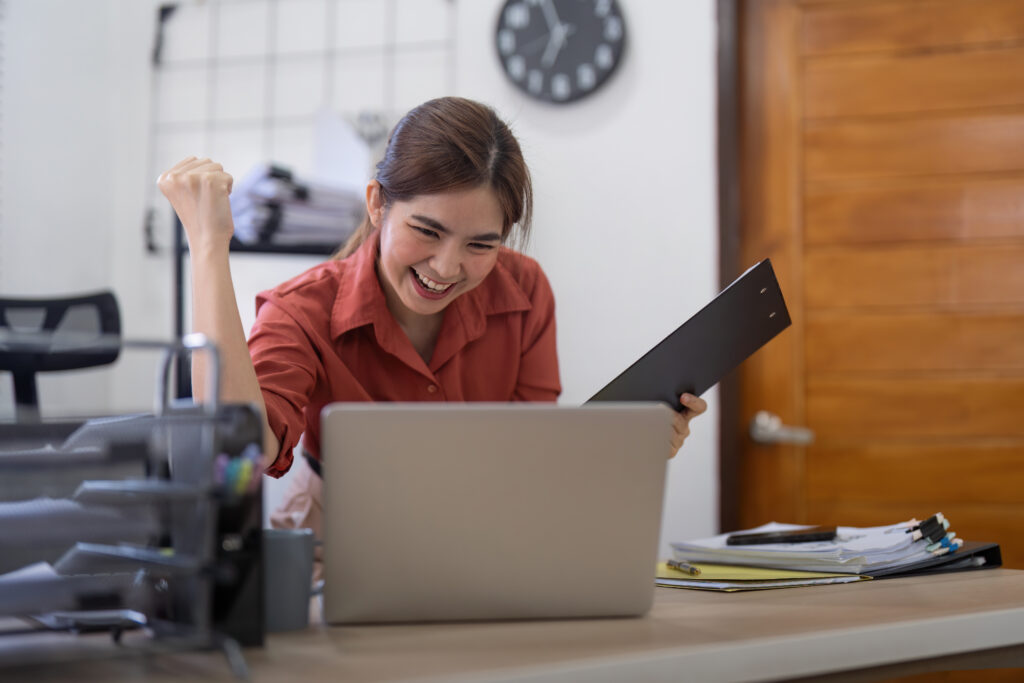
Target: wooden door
{"type": "Point", "coordinates": [881, 167]}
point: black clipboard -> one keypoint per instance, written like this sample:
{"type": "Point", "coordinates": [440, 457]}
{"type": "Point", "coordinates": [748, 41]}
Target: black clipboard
{"type": "Point", "coordinates": [745, 316]}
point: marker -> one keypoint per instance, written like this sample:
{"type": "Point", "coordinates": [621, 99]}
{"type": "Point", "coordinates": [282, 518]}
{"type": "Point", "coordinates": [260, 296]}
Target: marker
{"type": "Point", "coordinates": [683, 567]}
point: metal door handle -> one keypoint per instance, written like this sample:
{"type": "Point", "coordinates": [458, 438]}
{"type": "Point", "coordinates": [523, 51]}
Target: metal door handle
{"type": "Point", "coordinates": [767, 428]}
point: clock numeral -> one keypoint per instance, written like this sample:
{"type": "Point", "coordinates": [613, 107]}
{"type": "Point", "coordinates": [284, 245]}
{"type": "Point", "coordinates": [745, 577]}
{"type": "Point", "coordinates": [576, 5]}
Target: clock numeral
{"type": "Point", "coordinates": [517, 16]}
{"type": "Point", "coordinates": [506, 41]}
{"type": "Point", "coordinates": [516, 67]}
{"type": "Point", "coordinates": [603, 56]}
{"type": "Point", "coordinates": [602, 7]}
{"type": "Point", "coordinates": [561, 87]}
{"type": "Point", "coordinates": [535, 81]}
{"type": "Point", "coordinates": [586, 77]}
{"type": "Point", "coordinates": [613, 29]}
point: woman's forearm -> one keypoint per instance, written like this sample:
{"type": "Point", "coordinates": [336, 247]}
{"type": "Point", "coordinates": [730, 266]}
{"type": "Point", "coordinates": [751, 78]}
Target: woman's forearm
{"type": "Point", "coordinates": [198, 190]}
{"type": "Point", "coordinates": [215, 315]}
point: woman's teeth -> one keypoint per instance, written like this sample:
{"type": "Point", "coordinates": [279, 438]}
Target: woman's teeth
{"type": "Point", "coordinates": [430, 284]}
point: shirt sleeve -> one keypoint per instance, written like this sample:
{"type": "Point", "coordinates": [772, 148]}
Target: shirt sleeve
{"type": "Point", "coordinates": [287, 366]}
{"type": "Point", "coordinates": [538, 368]}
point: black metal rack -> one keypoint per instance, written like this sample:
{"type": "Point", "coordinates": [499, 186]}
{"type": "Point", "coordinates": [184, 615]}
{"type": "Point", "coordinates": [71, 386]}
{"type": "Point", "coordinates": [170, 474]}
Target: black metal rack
{"type": "Point", "coordinates": [183, 382]}
{"type": "Point", "coordinates": [143, 534]}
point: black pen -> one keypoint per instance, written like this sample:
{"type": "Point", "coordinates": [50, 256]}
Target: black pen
{"type": "Point", "coordinates": [683, 567]}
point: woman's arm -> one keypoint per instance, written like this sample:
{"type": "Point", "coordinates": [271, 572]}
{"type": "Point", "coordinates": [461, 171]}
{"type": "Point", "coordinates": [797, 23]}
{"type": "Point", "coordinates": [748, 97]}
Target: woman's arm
{"type": "Point", "coordinates": [198, 190]}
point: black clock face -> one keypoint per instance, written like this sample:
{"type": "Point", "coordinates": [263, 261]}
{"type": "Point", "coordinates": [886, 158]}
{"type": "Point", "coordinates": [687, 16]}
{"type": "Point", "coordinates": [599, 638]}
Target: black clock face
{"type": "Point", "coordinates": [560, 50]}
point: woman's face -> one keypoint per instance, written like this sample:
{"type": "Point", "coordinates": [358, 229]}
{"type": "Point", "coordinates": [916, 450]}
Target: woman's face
{"type": "Point", "coordinates": [435, 248]}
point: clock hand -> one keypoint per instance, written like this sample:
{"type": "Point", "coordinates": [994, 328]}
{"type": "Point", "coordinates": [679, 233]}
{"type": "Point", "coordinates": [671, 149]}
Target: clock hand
{"type": "Point", "coordinates": [555, 45]}
{"type": "Point", "coordinates": [550, 14]}
{"type": "Point", "coordinates": [532, 46]}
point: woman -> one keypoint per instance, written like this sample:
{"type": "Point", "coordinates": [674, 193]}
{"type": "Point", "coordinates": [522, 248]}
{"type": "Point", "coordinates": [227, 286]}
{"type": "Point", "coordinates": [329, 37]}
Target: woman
{"type": "Point", "coordinates": [424, 303]}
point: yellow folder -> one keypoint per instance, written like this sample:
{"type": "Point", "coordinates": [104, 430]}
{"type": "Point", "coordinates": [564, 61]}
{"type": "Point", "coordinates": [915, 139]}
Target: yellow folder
{"type": "Point", "coordinates": [729, 578]}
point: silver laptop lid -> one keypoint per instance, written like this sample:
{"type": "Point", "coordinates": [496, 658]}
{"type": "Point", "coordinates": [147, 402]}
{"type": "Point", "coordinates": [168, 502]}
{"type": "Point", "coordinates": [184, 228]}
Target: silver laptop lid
{"type": "Point", "coordinates": [491, 511]}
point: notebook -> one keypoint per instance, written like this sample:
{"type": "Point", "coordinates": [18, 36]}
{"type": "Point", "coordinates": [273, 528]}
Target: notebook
{"type": "Point", "coordinates": [437, 512]}
{"type": "Point", "coordinates": [745, 316]}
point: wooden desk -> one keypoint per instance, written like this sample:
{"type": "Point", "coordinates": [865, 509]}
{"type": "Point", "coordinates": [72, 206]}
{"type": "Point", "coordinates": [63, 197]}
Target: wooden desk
{"type": "Point", "coordinates": [874, 628]}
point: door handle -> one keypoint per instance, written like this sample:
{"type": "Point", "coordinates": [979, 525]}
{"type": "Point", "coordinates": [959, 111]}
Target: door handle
{"type": "Point", "coordinates": [767, 428]}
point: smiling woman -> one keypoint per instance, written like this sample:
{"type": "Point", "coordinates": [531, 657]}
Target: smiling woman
{"type": "Point", "coordinates": [425, 302]}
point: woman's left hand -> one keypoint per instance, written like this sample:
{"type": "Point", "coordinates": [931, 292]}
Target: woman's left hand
{"type": "Point", "coordinates": [692, 407]}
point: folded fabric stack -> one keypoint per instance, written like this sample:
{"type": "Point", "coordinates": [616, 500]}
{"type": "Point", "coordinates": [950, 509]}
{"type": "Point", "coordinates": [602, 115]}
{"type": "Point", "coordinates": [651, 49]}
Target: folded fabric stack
{"type": "Point", "coordinates": [272, 207]}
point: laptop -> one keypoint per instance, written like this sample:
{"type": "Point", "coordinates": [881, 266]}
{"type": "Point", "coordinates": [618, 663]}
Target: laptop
{"type": "Point", "coordinates": [443, 512]}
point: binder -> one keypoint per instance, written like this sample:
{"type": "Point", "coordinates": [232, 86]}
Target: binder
{"type": "Point", "coordinates": [971, 555]}
{"type": "Point", "coordinates": [745, 316]}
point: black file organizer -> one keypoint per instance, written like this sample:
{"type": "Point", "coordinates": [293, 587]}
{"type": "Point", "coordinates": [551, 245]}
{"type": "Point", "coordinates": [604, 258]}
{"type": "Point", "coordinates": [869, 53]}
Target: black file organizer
{"type": "Point", "coordinates": [196, 581]}
{"type": "Point", "coordinates": [183, 382]}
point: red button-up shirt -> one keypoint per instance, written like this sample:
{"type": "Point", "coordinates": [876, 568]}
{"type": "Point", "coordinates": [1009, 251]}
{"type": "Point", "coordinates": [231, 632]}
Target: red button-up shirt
{"type": "Point", "coordinates": [327, 335]}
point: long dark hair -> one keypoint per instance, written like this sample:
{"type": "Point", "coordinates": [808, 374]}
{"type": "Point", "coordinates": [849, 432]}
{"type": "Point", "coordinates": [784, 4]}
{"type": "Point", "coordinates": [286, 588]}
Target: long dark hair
{"type": "Point", "coordinates": [447, 144]}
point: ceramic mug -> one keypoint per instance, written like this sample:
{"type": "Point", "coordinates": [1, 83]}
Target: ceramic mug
{"type": "Point", "coordinates": [287, 578]}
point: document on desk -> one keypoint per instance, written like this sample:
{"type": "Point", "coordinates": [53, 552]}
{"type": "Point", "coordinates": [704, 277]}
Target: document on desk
{"type": "Point", "coordinates": [875, 551]}
{"type": "Point", "coordinates": [734, 578]}
{"type": "Point", "coordinates": [745, 316]}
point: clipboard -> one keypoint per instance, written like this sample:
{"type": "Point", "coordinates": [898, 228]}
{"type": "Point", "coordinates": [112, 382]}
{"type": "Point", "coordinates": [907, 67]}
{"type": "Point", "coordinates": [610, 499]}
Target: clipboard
{"type": "Point", "coordinates": [745, 316]}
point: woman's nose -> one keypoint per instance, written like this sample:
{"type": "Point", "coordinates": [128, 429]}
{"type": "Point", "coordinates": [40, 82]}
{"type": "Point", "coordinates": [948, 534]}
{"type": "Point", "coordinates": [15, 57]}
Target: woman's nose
{"type": "Point", "coordinates": [446, 263]}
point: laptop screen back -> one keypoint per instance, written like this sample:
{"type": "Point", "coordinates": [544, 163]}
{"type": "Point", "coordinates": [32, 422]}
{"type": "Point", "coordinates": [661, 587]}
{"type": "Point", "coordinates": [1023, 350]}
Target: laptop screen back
{"type": "Point", "coordinates": [491, 511]}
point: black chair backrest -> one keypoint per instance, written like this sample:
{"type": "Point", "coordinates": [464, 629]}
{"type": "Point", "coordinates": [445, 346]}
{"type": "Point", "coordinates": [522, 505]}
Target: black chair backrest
{"type": "Point", "coordinates": [44, 335]}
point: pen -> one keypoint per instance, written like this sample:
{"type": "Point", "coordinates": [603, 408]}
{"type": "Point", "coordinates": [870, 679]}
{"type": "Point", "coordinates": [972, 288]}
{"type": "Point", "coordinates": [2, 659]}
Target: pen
{"type": "Point", "coordinates": [683, 567]}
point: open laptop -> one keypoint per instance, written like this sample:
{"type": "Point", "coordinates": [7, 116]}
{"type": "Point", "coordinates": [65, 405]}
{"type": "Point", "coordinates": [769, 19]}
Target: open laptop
{"type": "Point", "coordinates": [439, 512]}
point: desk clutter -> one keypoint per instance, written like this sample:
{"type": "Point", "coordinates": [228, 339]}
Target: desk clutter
{"type": "Point", "coordinates": [272, 207]}
{"type": "Point", "coordinates": [730, 562]}
{"type": "Point", "coordinates": [145, 527]}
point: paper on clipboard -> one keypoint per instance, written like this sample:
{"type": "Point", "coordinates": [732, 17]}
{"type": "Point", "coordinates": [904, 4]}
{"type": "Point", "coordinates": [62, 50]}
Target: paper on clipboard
{"type": "Point", "coordinates": [741, 319]}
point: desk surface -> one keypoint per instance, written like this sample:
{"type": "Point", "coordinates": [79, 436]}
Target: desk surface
{"type": "Point", "coordinates": [763, 635]}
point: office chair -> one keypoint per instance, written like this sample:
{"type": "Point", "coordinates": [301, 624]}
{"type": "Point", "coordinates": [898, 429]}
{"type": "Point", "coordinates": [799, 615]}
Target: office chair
{"type": "Point", "coordinates": [45, 335]}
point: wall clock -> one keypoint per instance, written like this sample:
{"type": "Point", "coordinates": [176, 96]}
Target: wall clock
{"type": "Point", "coordinates": [560, 50]}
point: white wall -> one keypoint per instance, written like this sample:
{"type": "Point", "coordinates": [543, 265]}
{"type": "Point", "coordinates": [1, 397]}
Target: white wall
{"type": "Point", "coordinates": [626, 215]}
{"type": "Point", "coordinates": [625, 221]}
{"type": "Point", "coordinates": [56, 179]}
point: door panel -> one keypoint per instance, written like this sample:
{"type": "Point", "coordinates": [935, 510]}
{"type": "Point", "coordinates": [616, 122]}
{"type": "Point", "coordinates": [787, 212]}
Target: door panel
{"type": "Point", "coordinates": [904, 341]}
{"type": "Point", "coordinates": [877, 474]}
{"type": "Point", "coordinates": [962, 207]}
{"type": "Point", "coordinates": [831, 28]}
{"type": "Point", "coordinates": [914, 82]}
{"type": "Point", "coordinates": [843, 149]}
{"type": "Point", "coordinates": [770, 482]}
{"type": "Point", "coordinates": [896, 406]}
{"type": "Point", "coordinates": [943, 275]}
{"type": "Point", "coordinates": [881, 169]}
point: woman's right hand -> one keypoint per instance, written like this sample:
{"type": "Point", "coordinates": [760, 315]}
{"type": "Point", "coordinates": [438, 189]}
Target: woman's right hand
{"type": "Point", "coordinates": [198, 190]}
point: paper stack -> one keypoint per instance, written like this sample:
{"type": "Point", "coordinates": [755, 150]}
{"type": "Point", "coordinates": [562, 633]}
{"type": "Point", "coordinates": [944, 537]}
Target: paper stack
{"type": "Point", "coordinates": [872, 551]}
{"type": "Point", "coordinates": [272, 207]}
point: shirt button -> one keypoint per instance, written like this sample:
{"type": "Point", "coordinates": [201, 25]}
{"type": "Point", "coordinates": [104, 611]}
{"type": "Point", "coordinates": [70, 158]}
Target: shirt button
{"type": "Point", "coordinates": [432, 388]}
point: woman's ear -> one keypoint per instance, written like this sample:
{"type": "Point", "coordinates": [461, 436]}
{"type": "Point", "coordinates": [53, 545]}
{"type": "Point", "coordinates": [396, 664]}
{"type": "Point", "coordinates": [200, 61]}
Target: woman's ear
{"type": "Point", "coordinates": [374, 202]}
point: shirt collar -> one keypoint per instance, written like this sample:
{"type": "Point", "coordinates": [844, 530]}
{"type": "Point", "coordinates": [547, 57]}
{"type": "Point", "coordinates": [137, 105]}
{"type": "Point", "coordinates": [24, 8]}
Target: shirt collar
{"type": "Point", "coordinates": [360, 301]}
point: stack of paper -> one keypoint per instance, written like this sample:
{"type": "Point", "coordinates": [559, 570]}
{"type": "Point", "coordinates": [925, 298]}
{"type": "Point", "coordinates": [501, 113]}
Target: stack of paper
{"type": "Point", "coordinates": [855, 550]}
{"type": "Point", "coordinates": [270, 206]}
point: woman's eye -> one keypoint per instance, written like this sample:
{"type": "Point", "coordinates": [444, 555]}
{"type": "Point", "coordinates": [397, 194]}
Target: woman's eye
{"type": "Point", "coordinates": [424, 231]}
{"type": "Point", "coordinates": [481, 245]}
